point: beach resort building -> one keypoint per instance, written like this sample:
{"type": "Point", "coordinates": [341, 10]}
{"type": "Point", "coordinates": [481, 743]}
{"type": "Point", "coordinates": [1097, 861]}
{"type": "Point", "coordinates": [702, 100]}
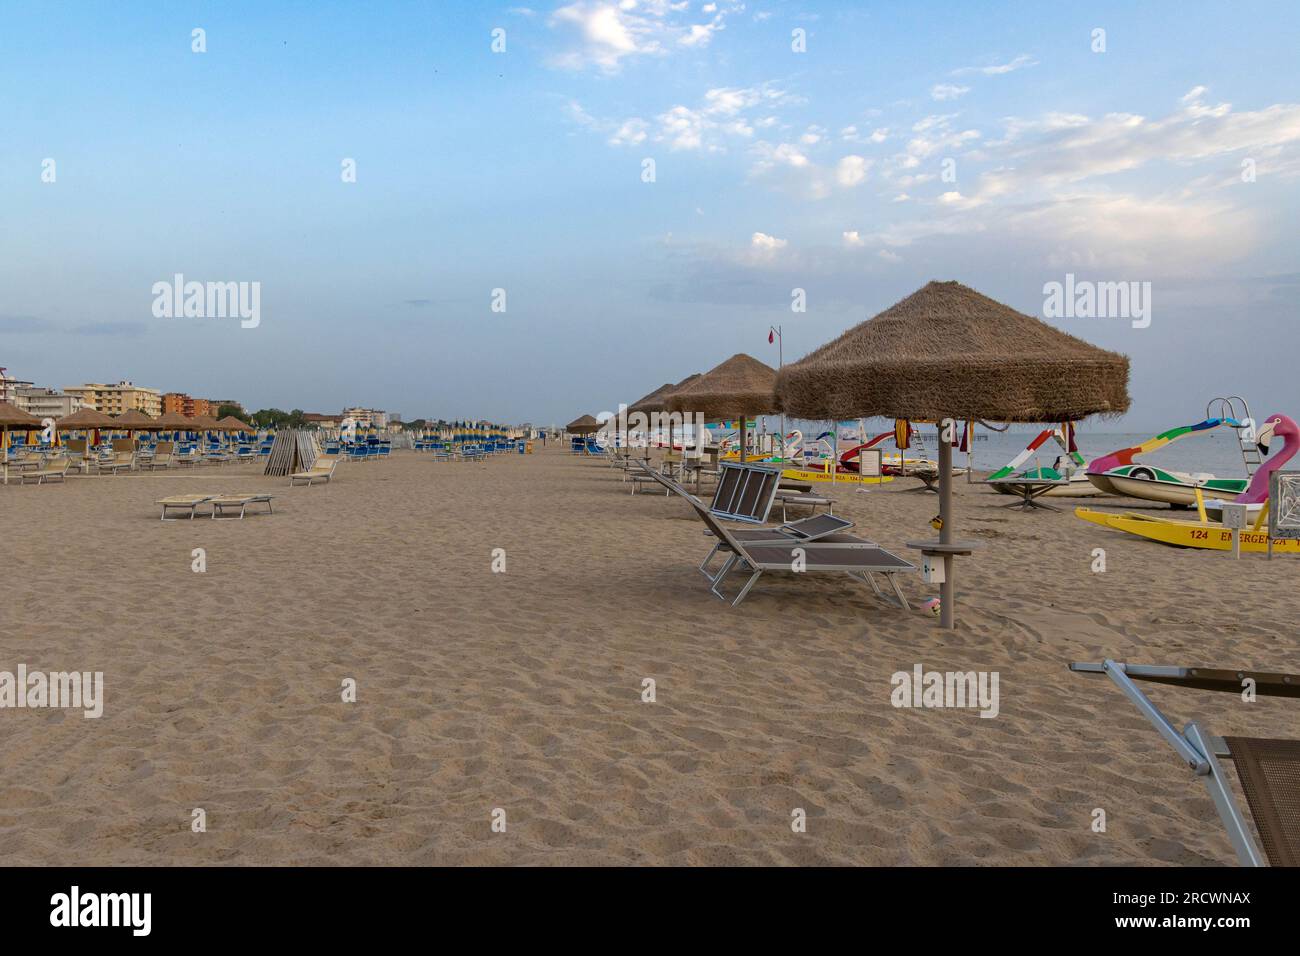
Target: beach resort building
{"type": "Point", "coordinates": [9, 387]}
{"type": "Point", "coordinates": [119, 398]}
{"type": "Point", "coordinates": [321, 421]}
{"type": "Point", "coordinates": [185, 405]}
{"type": "Point", "coordinates": [367, 417]}
{"type": "Point", "coordinates": [46, 402]}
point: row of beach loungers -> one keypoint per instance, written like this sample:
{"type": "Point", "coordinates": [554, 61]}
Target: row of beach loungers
{"type": "Point", "coordinates": [1268, 770]}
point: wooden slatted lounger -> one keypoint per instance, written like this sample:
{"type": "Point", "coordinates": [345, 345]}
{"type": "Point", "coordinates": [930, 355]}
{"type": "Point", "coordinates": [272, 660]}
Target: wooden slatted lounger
{"type": "Point", "coordinates": [240, 501]}
{"type": "Point", "coordinates": [182, 503]}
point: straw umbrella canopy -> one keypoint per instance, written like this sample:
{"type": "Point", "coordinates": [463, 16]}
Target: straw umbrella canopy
{"type": "Point", "coordinates": [586, 425]}
{"type": "Point", "coordinates": [12, 418]}
{"type": "Point", "coordinates": [135, 420]}
{"type": "Point", "coordinates": [946, 352]}
{"type": "Point", "coordinates": [85, 418]}
{"type": "Point", "coordinates": [657, 401]}
{"type": "Point", "coordinates": [232, 424]}
{"type": "Point", "coordinates": [741, 386]}
{"type": "Point", "coordinates": [174, 422]}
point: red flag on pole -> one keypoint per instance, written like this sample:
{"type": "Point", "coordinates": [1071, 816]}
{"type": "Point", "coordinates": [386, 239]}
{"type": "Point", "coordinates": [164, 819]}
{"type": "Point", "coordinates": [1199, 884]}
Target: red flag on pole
{"type": "Point", "coordinates": [771, 337]}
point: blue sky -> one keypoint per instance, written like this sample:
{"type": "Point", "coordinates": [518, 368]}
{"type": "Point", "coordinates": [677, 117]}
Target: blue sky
{"type": "Point", "coordinates": [522, 170]}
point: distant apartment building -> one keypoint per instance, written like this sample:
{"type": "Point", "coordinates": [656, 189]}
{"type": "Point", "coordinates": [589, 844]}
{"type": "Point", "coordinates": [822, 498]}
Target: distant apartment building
{"type": "Point", "coordinates": [119, 398]}
{"type": "Point", "coordinates": [9, 387]}
{"type": "Point", "coordinates": [367, 417]}
{"type": "Point", "coordinates": [216, 403]}
{"type": "Point", "coordinates": [46, 402]}
{"type": "Point", "coordinates": [187, 406]}
{"type": "Point", "coordinates": [321, 421]}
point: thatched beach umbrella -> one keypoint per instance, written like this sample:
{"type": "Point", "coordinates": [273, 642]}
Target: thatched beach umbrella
{"type": "Point", "coordinates": [135, 420]}
{"type": "Point", "coordinates": [86, 419]}
{"type": "Point", "coordinates": [173, 422]}
{"type": "Point", "coordinates": [947, 353]}
{"type": "Point", "coordinates": [657, 401]}
{"type": "Point", "coordinates": [232, 424]}
{"type": "Point", "coordinates": [740, 386]}
{"type": "Point", "coordinates": [13, 418]}
{"type": "Point", "coordinates": [586, 425]}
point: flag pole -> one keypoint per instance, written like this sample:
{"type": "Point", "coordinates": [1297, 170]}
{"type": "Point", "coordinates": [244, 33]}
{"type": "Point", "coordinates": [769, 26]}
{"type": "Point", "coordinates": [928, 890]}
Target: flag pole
{"type": "Point", "coordinates": [775, 330]}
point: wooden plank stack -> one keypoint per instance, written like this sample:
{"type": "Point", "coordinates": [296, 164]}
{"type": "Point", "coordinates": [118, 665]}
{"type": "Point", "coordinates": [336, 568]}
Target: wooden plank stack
{"type": "Point", "coordinates": [293, 450]}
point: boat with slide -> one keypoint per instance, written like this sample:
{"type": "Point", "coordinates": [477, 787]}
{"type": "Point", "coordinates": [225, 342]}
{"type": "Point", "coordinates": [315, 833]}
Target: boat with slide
{"type": "Point", "coordinates": [1119, 474]}
{"type": "Point", "coordinates": [1069, 465]}
{"type": "Point", "coordinates": [1209, 534]}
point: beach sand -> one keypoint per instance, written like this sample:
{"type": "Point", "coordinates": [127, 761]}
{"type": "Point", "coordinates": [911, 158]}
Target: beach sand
{"type": "Point", "coordinates": [522, 690]}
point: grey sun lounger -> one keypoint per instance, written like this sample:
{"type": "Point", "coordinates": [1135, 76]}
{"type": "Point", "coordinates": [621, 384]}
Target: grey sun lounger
{"type": "Point", "coordinates": [859, 559]}
{"type": "Point", "coordinates": [1268, 769]}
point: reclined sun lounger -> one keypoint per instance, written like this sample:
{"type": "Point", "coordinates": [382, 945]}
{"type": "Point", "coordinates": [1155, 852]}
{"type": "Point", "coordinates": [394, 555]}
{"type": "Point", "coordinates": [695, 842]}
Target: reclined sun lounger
{"type": "Point", "coordinates": [1268, 769]}
{"type": "Point", "coordinates": [857, 557]}
{"type": "Point", "coordinates": [183, 503]}
{"type": "Point", "coordinates": [323, 470]}
{"type": "Point", "coordinates": [241, 501]}
{"type": "Point", "coordinates": [121, 461]}
{"type": "Point", "coordinates": [56, 469]}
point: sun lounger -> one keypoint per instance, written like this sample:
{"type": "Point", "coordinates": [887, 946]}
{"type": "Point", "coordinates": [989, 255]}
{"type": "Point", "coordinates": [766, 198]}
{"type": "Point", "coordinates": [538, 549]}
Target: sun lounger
{"type": "Point", "coordinates": [857, 558]}
{"type": "Point", "coordinates": [1267, 769]}
{"type": "Point", "coordinates": [323, 470]}
{"type": "Point", "coordinates": [222, 503]}
{"type": "Point", "coordinates": [121, 461]}
{"type": "Point", "coordinates": [183, 503]}
{"type": "Point", "coordinates": [788, 498]}
{"type": "Point", "coordinates": [56, 469]}
{"type": "Point", "coordinates": [161, 460]}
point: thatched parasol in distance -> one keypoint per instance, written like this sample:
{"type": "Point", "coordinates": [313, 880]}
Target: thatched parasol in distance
{"type": "Point", "coordinates": [85, 418]}
{"type": "Point", "coordinates": [740, 386]}
{"type": "Point", "coordinates": [174, 422]}
{"type": "Point", "coordinates": [134, 420]}
{"type": "Point", "coordinates": [232, 424]}
{"type": "Point", "coordinates": [586, 425]}
{"type": "Point", "coordinates": [657, 401]}
{"type": "Point", "coordinates": [13, 418]}
{"type": "Point", "coordinates": [946, 352]}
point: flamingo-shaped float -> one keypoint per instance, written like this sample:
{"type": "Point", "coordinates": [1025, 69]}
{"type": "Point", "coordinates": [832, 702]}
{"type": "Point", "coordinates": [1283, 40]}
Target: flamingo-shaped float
{"type": "Point", "coordinates": [1212, 534]}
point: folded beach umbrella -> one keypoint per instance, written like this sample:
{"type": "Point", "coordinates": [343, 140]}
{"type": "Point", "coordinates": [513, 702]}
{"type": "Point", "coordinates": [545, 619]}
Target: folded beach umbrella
{"type": "Point", "coordinates": [948, 352]}
{"type": "Point", "coordinates": [740, 386]}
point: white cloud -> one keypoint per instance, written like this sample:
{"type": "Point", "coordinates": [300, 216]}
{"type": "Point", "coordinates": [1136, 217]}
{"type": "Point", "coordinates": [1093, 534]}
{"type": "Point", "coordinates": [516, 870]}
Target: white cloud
{"type": "Point", "coordinates": [851, 170]}
{"type": "Point", "coordinates": [947, 91]}
{"type": "Point", "coordinates": [1022, 61]}
{"type": "Point", "coordinates": [631, 133]}
{"type": "Point", "coordinates": [762, 242]}
{"type": "Point", "coordinates": [604, 33]}
{"type": "Point", "coordinates": [851, 238]}
{"type": "Point", "coordinates": [889, 256]}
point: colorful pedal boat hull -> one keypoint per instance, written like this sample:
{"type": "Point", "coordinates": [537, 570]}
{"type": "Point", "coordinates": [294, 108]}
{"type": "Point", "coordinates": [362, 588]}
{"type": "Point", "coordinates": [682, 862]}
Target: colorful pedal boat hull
{"type": "Point", "coordinates": [1186, 534]}
{"type": "Point", "coordinates": [1154, 484]}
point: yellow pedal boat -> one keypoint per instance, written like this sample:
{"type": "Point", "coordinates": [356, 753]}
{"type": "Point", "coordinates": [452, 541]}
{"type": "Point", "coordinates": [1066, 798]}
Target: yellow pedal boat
{"type": "Point", "coordinates": [1186, 534]}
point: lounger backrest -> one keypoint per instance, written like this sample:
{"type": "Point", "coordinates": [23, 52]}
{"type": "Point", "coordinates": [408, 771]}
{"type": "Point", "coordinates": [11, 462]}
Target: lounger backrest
{"type": "Point", "coordinates": [1269, 771]}
{"type": "Point", "coordinates": [745, 492]}
{"type": "Point", "coordinates": [712, 523]}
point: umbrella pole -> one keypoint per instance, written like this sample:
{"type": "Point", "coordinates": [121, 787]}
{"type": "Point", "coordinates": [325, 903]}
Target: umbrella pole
{"type": "Point", "coordinates": [948, 590]}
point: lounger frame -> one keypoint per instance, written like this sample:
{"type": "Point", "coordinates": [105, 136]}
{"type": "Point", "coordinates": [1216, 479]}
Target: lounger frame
{"type": "Point", "coordinates": [1198, 748]}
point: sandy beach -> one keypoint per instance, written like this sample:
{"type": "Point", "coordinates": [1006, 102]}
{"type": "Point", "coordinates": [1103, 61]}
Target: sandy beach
{"type": "Point", "coordinates": [523, 690]}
